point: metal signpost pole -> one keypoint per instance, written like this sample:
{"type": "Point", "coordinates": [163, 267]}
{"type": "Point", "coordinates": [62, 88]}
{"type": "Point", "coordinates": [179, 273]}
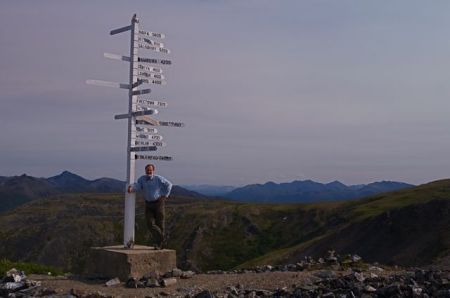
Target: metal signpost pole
{"type": "Point", "coordinates": [130, 198]}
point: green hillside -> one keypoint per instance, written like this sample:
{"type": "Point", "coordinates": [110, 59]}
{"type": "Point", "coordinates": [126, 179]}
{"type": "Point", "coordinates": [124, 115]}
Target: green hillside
{"type": "Point", "coordinates": [403, 227]}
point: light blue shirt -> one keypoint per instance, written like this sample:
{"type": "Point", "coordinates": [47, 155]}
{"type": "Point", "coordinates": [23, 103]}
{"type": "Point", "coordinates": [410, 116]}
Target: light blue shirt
{"type": "Point", "coordinates": [154, 187]}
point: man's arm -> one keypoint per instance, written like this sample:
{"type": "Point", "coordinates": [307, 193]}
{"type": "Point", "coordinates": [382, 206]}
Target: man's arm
{"type": "Point", "coordinates": [135, 186]}
{"type": "Point", "coordinates": [166, 187]}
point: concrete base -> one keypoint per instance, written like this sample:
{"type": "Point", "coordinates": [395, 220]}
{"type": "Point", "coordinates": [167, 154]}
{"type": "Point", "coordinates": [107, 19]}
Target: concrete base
{"type": "Point", "coordinates": [117, 261]}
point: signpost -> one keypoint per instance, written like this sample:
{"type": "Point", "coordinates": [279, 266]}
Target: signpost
{"type": "Point", "coordinates": [141, 133]}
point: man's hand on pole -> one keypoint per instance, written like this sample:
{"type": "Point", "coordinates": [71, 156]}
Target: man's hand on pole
{"type": "Point", "coordinates": [130, 189]}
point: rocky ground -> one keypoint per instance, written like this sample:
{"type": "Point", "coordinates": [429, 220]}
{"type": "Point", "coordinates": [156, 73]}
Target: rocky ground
{"type": "Point", "coordinates": [326, 277]}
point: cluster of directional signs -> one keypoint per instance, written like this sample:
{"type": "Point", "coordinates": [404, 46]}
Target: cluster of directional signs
{"type": "Point", "coordinates": [143, 135]}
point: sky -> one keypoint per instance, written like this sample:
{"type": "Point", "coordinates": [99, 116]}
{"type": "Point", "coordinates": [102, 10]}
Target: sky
{"type": "Point", "coordinates": [349, 90]}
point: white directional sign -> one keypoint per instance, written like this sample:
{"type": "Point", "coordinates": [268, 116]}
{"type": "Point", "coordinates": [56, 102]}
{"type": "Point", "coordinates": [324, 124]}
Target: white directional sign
{"type": "Point", "coordinates": [154, 61]}
{"type": "Point", "coordinates": [150, 68]}
{"type": "Point", "coordinates": [152, 34]}
{"type": "Point", "coordinates": [153, 48]}
{"type": "Point", "coordinates": [153, 103]}
{"type": "Point", "coordinates": [151, 75]}
{"type": "Point", "coordinates": [152, 157]}
{"type": "Point", "coordinates": [146, 129]}
{"type": "Point", "coordinates": [116, 57]}
{"type": "Point", "coordinates": [140, 92]}
{"type": "Point", "coordinates": [146, 148]}
{"type": "Point", "coordinates": [171, 123]}
{"type": "Point", "coordinates": [157, 82]}
{"type": "Point", "coordinates": [149, 137]}
{"type": "Point", "coordinates": [147, 120]}
{"type": "Point", "coordinates": [108, 84]}
{"type": "Point", "coordinates": [151, 42]}
{"type": "Point", "coordinates": [146, 143]}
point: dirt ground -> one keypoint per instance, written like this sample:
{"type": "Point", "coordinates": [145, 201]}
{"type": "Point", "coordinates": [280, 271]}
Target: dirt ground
{"type": "Point", "coordinates": [211, 282]}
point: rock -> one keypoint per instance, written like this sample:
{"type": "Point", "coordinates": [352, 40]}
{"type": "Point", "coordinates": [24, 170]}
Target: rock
{"type": "Point", "coordinates": [359, 276]}
{"type": "Point", "coordinates": [176, 272]}
{"type": "Point", "coordinates": [325, 274]}
{"type": "Point", "coordinates": [375, 268]}
{"type": "Point", "coordinates": [133, 283]}
{"type": "Point", "coordinates": [187, 274]}
{"type": "Point", "coordinates": [152, 283]}
{"type": "Point", "coordinates": [373, 275]}
{"type": "Point", "coordinates": [13, 286]}
{"type": "Point", "coordinates": [262, 292]}
{"type": "Point", "coordinates": [113, 282]}
{"type": "Point", "coordinates": [356, 258]}
{"type": "Point", "coordinates": [164, 293]}
{"type": "Point", "coordinates": [233, 291]}
{"type": "Point", "coordinates": [369, 289]}
{"type": "Point", "coordinates": [205, 294]}
{"type": "Point", "coordinates": [268, 268]}
{"type": "Point", "coordinates": [166, 282]}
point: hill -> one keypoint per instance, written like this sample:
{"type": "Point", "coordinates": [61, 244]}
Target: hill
{"type": "Point", "coordinates": [18, 190]}
{"type": "Point", "coordinates": [404, 227]}
{"type": "Point", "coordinates": [309, 191]}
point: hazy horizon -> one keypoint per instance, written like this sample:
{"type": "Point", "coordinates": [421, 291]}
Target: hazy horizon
{"type": "Point", "coordinates": [270, 91]}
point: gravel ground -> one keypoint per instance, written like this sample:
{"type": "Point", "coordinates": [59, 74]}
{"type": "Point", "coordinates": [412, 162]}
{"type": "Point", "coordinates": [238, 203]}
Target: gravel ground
{"type": "Point", "coordinates": [211, 282]}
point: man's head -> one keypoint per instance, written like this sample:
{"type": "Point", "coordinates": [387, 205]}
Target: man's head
{"type": "Point", "coordinates": [150, 169]}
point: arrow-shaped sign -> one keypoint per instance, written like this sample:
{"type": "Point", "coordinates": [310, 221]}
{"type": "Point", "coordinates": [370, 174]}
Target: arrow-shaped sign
{"type": "Point", "coordinates": [152, 34]}
{"type": "Point", "coordinates": [151, 75]}
{"type": "Point", "coordinates": [154, 61]}
{"type": "Point", "coordinates": [151, 42]}
{"type": "Point", "coordinates": [152, 103]}
{"type": "Point", "coordinates": [140, 92]}
{"type": "Point", "coordinates": [157, 82]}
{"type": "Point", "coordinates": [153, 157]}
{"type": "Point", "coordinates": [146, 129]}
{"type": "Point", "coordinates": [148, 148]}
{"type": "Point", "coordinates": [107, 84]}
{"type": "Point", "coordinates": [138, 113]}
{"type": "Point", "coordinates": [145, 143]}
{"type": "Point", "coordinates": [120, 30]}
{"type": "Point", "coordinates": [116, 57]}
{"type": "Point", "coordinates": [150, 68]}
{"type": "Point", "coordinates": [153, 48]}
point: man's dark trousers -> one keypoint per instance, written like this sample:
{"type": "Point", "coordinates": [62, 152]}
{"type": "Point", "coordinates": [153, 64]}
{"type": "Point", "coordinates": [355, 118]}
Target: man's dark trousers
{"type": "Point", "coordinates": [154, 215]}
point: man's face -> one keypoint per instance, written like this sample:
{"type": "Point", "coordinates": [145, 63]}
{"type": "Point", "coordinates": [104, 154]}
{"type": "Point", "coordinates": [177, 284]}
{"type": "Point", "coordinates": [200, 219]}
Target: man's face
{"type": "Point", "coordinates": [149, 171]}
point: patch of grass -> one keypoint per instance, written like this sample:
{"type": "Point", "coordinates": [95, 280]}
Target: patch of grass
{"type": "Point", "coordinates": [29, 268]}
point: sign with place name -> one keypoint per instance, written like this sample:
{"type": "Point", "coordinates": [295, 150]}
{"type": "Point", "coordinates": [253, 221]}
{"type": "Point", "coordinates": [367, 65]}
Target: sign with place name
{"type": "Point", "coordinates": [147, 120]}
{"type": "Point", "coordinates": [116, 57]}
{"type": "Point", "coordinates": [153, 103]}
{"type": "Point", "coordinates": [153, 48]}
{"type": "Point", "coordinates": [151, 75]}
{"type": "Point", "coordinates": [156, 82]}
{"type": "Point", "coordinates": [146, 143]}
{"type": "Point", "coordinates": [150, 68]}
{"type": "Point", "coordinates": [171, 123]}
{"type": "Point", "coordinates": [154, 61]}
{"type": "Point", "coordinates": [140, 92]}
{"type": "Point", "coordinates": [120, 30]}
{"type": "Point", "coordinates": [107, 84]}
{"type": "Point", "coordinates": [151, 42]}
{"type": "Point", "coordinates": [152, 34]}
{"type": "Point", "coordinates": [145, 148]}
{"type": "Point", "coordinates": [152, 157]}
{"type": "Point", "coordinates": [149, 137]}
{"type": "Point", "coordinates": [146, 129]}
{"type": "Point", "coordinates": [138, 113]}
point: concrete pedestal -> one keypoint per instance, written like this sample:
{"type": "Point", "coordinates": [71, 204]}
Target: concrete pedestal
{"type": "Point", "coordinates": [117, 261]}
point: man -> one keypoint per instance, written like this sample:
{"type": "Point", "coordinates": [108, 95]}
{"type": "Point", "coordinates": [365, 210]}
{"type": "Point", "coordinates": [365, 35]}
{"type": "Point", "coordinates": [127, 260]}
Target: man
{"type": "Point", "coordinates": [156, 190]}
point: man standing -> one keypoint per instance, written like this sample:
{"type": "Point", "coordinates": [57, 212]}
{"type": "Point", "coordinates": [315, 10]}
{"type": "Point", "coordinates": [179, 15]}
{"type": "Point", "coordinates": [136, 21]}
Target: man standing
{"type": "Point", "coordinates": [156, 190]}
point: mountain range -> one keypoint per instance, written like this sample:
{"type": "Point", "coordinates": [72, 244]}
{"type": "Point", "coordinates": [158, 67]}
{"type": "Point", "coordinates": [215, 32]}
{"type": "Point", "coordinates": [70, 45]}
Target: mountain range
{"type": "Point", "coordinates": [408, 227]}
{"type": "Point", "coordinates": [298, 191]}
{"type": "Point", "coordinates": [18, 190]}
